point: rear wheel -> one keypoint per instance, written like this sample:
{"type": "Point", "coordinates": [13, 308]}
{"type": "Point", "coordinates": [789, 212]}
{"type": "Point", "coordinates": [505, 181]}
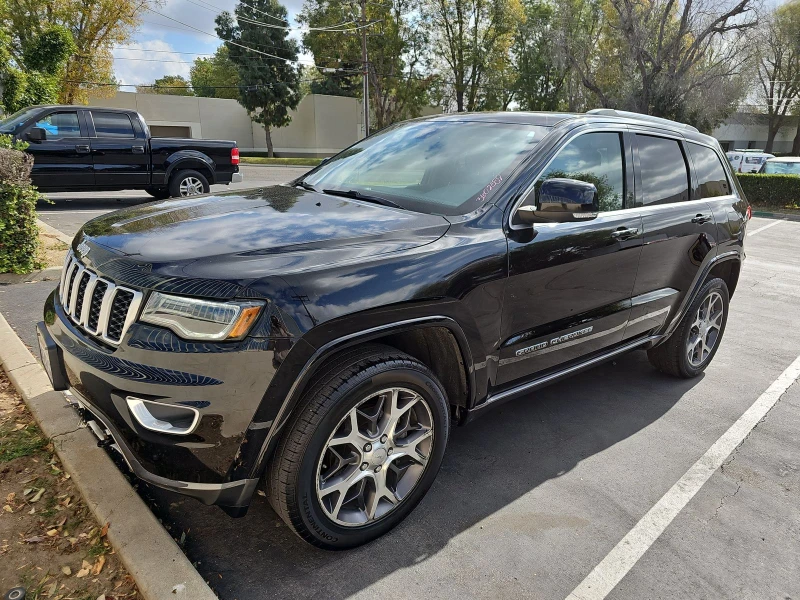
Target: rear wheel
{"type": "Point", "coordinates": [690, 349]}
{"type": "Point", "coordinates": [363, 448]}
{"type": "Point", "coordinates": [188, 183]}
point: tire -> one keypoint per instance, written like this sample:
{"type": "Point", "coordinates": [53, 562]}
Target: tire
{"type": "Point", "coordinates": [158, 193]}
{"type": "Point", "coordinates": [188, 183]}
{"type": "Point", "coordinates": [303, 459]}
{"type": "Point", "coordinates": [674, 356]}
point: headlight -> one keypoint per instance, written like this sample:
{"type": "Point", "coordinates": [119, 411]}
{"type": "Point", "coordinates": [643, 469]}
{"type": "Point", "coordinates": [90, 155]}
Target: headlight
{"type": "Point", "coordinates": [195, 319]}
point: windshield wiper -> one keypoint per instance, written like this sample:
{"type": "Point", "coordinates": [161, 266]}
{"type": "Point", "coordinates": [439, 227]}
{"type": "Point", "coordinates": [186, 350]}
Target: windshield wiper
{"type": "Point", "coordinates": [359, 196]}
{"type": "Point", "coordinates": [307, 186]}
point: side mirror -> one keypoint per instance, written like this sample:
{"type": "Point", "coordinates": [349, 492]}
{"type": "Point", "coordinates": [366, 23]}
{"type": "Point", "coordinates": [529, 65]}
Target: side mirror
{"type": "Point", "coordinates": [561, 201]}
{"type": "Point", "coordinates": [37, 134]}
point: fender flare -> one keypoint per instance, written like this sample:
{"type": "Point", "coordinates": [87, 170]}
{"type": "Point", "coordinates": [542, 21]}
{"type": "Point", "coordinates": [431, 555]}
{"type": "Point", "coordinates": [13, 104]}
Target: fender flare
{"type": "Point", "coordinates": [328, 349]}
{"type": "Point", "coordinates": [187, 159]}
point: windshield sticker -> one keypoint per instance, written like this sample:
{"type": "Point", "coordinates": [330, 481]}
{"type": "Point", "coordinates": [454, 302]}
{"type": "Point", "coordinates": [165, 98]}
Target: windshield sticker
{"type": "Point", "coordinates": [492, 184]}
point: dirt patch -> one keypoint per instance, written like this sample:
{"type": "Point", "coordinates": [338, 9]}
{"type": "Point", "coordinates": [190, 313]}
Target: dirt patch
{"type": "Point", "coordinates": [51, 251]}
{"type": "Point", "coordinates": [50, 543]}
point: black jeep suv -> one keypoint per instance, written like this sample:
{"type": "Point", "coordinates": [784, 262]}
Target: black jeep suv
{"type": "Point", "coordinates": [323, 336]}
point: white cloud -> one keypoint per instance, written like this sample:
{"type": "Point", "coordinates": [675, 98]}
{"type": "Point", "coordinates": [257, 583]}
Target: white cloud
{"type": "Point", "coordinates": [159, 57]}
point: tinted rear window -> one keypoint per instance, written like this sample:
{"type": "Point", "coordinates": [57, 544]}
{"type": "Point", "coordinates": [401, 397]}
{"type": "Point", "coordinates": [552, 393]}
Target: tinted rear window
{"type": "Point", "coordinates": [112, 125]}
{"type": "Point", "coordinates": [710, 172]}
{"type": "Point", "coordinates": [665, 178]}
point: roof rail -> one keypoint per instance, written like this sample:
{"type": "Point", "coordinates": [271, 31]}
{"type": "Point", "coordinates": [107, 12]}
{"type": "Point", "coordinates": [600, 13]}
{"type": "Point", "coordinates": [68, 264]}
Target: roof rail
{"type": "Point", "coordinates": [611, 112]}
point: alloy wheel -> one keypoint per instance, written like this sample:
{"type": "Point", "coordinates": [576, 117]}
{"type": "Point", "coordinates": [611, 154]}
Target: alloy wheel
{"type": "Point", "coordinates": [191, 186]}
{"type": "Point", "coordinates": [705, 330]}
{"type": "Point", "coordinates": [375, 457]}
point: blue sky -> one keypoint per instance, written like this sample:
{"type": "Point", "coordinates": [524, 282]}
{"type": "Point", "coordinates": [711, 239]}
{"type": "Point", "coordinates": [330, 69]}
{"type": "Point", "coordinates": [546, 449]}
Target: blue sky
{"type": "Point", "coordinates": [166, 47]}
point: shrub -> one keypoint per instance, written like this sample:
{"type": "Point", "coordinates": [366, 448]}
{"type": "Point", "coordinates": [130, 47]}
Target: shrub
{"type": "Point", "coordinates": [19, 235]}
{"type": "Point", "coordinates": [771, 190]}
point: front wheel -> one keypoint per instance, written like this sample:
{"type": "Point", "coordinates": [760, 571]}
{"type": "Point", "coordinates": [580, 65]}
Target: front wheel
{"type": "Point", "coordinates": [690, 348]}
{"type": "Point", "coordinates": [363, 448]}
{"type": "Point", "coordinates": [188, 183]}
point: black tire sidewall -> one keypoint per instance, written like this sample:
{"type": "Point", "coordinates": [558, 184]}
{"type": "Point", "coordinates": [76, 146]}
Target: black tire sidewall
{"type": "Point", "coordinates": [331, 534]}
{"type": "Point", "coordinates": [175, 182]}
{"type": "Point", "coordinates": [686, 367]}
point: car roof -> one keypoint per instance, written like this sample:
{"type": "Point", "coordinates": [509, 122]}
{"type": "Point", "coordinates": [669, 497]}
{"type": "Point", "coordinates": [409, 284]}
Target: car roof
{"type": "Point", "coordinates": [75, 106]}
{"type": "Point", "coordinates": [785, 159]}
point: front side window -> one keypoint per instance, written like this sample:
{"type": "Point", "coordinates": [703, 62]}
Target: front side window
{"type": "Point", "coordinates": [60, 125]}
{"type": "Point", "coordinates": [595, 158]}
{"type": "Point", "coordinates": [438, 167]}
{"type": "Point", "coordinates": [710, 173]}
{"type": "Point", "coordinates": [115, 125]}
{"type": "Point", "coordinates": [665, 178]}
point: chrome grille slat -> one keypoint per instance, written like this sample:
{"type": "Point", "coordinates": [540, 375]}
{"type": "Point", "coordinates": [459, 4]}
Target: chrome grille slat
{"type": "Point", "coordinates": [77, 295]}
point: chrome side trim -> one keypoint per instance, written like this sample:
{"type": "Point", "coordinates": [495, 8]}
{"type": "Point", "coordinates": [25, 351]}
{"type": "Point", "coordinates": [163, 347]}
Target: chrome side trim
{"type": "Point", "coordinates": [562, 373]}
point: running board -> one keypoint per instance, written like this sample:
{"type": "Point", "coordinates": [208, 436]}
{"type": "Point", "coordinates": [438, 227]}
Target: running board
{"type": "Point", "coordinates": [508, 394]}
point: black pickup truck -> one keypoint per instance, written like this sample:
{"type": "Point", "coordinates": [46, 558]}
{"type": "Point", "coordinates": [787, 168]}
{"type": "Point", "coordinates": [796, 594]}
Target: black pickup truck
{"type": "Point", "coordinates": [91, 149]}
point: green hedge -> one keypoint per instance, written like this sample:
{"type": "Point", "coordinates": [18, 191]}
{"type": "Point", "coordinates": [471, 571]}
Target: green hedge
{"type": "Point", "coordinates": [19, 235]}
{"type": "Point", "coordinates": [777, 191]}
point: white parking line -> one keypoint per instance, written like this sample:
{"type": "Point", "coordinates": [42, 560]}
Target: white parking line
{"type": "Point", "coordinates": [606, 575]}
{"type": "Point", "coordinates": [755, 231]}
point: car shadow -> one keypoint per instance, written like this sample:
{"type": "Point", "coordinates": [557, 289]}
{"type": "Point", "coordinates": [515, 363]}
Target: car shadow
{"type": "Point", "coordinates": [489, 464]}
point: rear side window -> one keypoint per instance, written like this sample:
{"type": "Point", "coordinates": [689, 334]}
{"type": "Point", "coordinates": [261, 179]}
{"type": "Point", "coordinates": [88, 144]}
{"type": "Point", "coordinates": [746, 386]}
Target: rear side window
{"type": "Point", "coordinates": [710, 172]}
{"type": "Point", "coordinates": [60, 125]}
{"type": "Point", "coordinates": [115, 125]}
{"type": "Point", "coordinates": [663, 172]}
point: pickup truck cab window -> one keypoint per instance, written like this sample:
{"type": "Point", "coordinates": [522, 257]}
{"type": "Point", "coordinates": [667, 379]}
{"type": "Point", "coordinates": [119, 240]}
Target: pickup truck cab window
{"type": "Point", "coordinates": [60, 125]}
{"type": "Point", "coordinates": [116, 125]}
{"type": "Point", "coordinates": [665, 178]}
{"type": "Point", "coordinates": [446, 168]}
{"type": "Point", "coordinates": [594, 158]}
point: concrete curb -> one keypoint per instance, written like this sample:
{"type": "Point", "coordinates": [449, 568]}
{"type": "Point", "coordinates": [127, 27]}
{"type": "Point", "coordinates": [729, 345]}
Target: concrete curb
{"type": "Point", "coordinates": [50, 230]}
{"type": "Point", "coordinates": [49, 274]}
{"type": "Point", "coordinates": [152, 557]}
{"type": "Point", "coordinates": [766, 214]}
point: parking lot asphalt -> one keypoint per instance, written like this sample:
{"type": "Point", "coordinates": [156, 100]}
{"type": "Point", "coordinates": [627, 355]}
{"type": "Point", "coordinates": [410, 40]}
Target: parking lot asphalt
{"type": "Point", "coordinates": [534, 495]}
{"type": "Point", "coordinates": [70, 210]}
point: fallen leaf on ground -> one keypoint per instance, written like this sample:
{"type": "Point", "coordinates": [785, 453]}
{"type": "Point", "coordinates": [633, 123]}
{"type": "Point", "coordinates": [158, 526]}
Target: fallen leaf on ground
{"type": "Point", "coordinates": [51, 589]}
{"type": "Point", "coordinates": [52, 533]}
{"type": "Point", "coordinates": [82, 573]}
{"type": "Point", "coordinates": [38, 495]}
{"type": "Point", "coordinates": [7, 508]}
{"type": "Point", "coordinates": [35, 539]}
{"type": "Point", "coordinates": [10, 497]}
{"type": "Point", "coordinates": [98, 566]}
{"type": "Point", "coordinates": [66, 571]}
{"type": "Point", "coordinates": [104, 530]}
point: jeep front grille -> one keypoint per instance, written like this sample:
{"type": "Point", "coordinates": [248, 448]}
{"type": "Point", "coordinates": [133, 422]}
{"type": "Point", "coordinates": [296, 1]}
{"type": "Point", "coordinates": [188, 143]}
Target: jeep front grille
{"type": "Point", "coordinates": [102, 308]}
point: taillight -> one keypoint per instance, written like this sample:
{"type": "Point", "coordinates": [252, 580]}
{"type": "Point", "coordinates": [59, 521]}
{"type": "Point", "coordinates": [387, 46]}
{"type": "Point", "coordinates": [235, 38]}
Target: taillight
{"type": "Point", "coordinates": [749, 212]}
{"type": "Point", "coordinates": [234, 156]}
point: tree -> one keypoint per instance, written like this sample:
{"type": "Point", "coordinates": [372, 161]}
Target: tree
{"type": "Point", "coordinates": [168, 85]}
{"type": "Point", "coordinates": [471, 36]}
{"type": "Point", "coordinates": [269, 77]}
{"type": "Point", "coordinates": [96, 26]}
{"type": "Point", "coordinates": [30, 74]}
{"type": "Point", "coordinates": [396, 47]}
{"type": "Point", "coordinates": [779, 65]}
{"type": "Point", "coordinates": [216, 76]}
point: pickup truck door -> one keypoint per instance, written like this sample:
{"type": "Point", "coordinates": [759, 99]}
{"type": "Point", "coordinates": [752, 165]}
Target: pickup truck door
{"type": "Point", "coordinates": [569, 288]}
{"type": "Point", "coordinates": [120, 150]}
{"type": "Point", "coordinates": [63, 159]}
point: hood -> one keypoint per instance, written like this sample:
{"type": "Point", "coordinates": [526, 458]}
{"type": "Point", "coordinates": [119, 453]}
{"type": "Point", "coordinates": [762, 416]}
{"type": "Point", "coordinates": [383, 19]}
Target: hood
{"type": "Point", "coordinates": [272, 230]}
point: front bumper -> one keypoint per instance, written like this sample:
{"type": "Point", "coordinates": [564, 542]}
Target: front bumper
{"type": "Point", "coordinates": [225, 387]}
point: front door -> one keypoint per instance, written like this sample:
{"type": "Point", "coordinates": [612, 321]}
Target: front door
{"type": "Point", "coordinates": [121, 157]}
{"type": "Point", "coordinates": [569, 287]}
{"type": "Point", "coordinates": [63, 159]}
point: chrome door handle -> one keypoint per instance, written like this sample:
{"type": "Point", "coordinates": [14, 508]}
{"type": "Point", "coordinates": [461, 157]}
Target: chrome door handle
{"type": "Point", "coordinates": [82, 148]}
{"type": "Point", "coordinates": [700, 218]}
{"type": "Point", "coordinates": [624, 233]}
{"type": "Point", "coordinates": [137, 149]}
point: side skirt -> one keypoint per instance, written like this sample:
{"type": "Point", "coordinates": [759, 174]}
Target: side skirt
{"type": "Point", "coordinates": [509, 394]}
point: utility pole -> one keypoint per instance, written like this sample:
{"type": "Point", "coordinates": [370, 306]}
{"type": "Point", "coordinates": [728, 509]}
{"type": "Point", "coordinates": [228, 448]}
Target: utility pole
{"type": "Point", "coordinates": [365, 62]}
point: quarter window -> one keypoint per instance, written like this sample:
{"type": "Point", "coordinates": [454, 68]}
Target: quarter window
{"type": "Point", "coordinates": [60, 125]}
{"type": "Point", "coordinates": [665, 178]}
{"type": "Point", "coordinates": [115, 125]}
{"type": "Point", "coordinates": [710, 172]}
{"type": "Point", "coordinates": [595, 158]}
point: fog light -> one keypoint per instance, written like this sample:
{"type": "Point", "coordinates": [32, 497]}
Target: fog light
{"type": "Point", "coordinates": [163, 418]}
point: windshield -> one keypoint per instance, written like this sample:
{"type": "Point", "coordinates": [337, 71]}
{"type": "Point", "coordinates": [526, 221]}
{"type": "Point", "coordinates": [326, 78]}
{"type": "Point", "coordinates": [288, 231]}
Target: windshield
{"type": "Point", "coordinates": [10, 123]}
{"type": "Point", "coordinates": [785, 168]}
{"type": "Point", "coordinates": [438, 167]}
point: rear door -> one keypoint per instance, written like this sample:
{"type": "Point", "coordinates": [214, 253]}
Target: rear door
{"type": "Point", "coordinates": [119, 150]}
{"type": "Point", "coordinates": [63, 160]}
{"type": "Point", "coordinates": [569, 285]}
{"type": "Point", "coordinates": [680, 233]}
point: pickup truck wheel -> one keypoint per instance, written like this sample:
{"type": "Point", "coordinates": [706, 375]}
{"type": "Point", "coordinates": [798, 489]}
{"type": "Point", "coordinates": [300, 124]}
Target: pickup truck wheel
{"type": "Point", "coordinates": [188, 183]}
{"type": "Point", "coordinates": [158, 193]}
{"type": "Point", "coordinates": [692, 346]}
{"type": "Point", "coordinates": [362, 449]}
